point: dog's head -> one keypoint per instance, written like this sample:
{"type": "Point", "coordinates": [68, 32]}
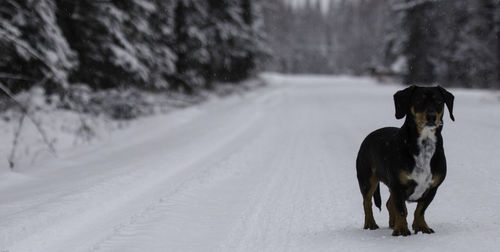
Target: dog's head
{"type": "Point", "coordinates": [424, 104]}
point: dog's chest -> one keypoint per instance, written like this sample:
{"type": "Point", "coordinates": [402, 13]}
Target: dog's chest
{"type": "Point", "coordinates": [422, 171]}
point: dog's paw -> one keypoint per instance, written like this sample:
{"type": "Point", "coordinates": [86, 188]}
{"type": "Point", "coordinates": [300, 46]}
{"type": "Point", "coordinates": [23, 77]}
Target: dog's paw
{"type": "Point", "coordinates": [371, 225]}
{"type": "Point", "coordinates": [402, 231]}
{"type": "Point", "coordinates": [422, 228]}
{"type": "Point", "coordinates": [419, 225]}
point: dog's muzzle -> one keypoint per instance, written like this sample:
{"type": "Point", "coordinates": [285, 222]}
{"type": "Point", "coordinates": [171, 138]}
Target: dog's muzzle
{"type": "Point", "coordinates": [431, 119]}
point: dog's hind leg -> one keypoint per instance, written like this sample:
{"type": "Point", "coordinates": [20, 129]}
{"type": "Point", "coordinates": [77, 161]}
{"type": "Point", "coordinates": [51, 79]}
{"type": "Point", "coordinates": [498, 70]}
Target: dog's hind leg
{"type": "Point", "coordinates": [368, 186]}
{"type": "Point", "coordinates": [367, 205]}
{"type": "Point", "coordinates": [419, 223]}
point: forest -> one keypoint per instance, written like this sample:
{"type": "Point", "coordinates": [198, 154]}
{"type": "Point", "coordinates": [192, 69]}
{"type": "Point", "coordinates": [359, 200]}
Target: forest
{"type": "Point", "coordinates": [179, 45]}
{"type": "Point", "coordinates": [188, 45]}
{"type": "Point", "coordinates": [450, 42]}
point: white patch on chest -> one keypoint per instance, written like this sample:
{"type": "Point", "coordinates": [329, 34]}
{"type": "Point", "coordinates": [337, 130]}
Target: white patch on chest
{"type": "Point", "coordinates": [422, 171]}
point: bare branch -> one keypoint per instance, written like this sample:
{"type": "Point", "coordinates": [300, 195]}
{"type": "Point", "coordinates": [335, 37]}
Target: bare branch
{"type": "Point", "coordinates": [15, 141]}
{"type": "Point", "coordinates": [26, 112]}
{"type": "Point", "coordinates": [15, 77]}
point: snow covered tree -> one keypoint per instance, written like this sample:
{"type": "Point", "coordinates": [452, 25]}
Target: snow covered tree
{"type": "Point", "coordinates": [190, 45]}
{"type": "Point", "coordinates": [34, 50]}
{"type": "Point", "coordinates": [149, 44]}
{"type": "Point", "coordinates": [162, 26]}
{"type": "Point", "coordinates": [468, 44]}
{"type": "Point", "coordinates": [93, 29]}
{"type": "Point", "coordinates": [227, 36]}
{"type": "Point", "coordinates": [418, 20]}
{"type": "Point", "coordinates": [147, 26]}
{"type": "Point", "coordinates": [252, 41]}
{"type": "Point", "coordinates": [116, 43]}
{"type": "Point", "coordinates": [456, 45]}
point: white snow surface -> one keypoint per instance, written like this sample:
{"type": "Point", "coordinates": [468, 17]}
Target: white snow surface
{"type": "Point", "coordinates": [271, 170]}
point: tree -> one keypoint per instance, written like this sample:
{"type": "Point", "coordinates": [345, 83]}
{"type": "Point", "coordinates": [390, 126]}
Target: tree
{"type": "Point", "coordinates": [229, 39]}
{"type": "Point", "coordinates": [497, 35]}
{"type": "Point", "coordinates": [249, 42]}
{"type": "Point", "coordinates": [420, 48]}
{"type": "Point", "coordinates": [162, 25]}
{"type": "Point", "coordinates": [468, 44]}
{"type": "Point", "coordinates": [115, 42]}
{"type": "Point", "coordinates": [252, 41]}
{"type": "Point", "coordinates": [34, 50]}
{"type": "Point", "coordinates": [149, 44]}
{"type": "Point", "coordinates": [190, 44]}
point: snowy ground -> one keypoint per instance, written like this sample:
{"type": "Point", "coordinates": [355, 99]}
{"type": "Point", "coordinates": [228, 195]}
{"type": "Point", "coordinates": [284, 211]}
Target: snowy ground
{"type": "Point", "coordinates": [272, 170]}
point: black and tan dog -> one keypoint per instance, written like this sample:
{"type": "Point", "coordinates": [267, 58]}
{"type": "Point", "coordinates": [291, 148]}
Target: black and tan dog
{"type": "Point", "coordinates": [410, 160]}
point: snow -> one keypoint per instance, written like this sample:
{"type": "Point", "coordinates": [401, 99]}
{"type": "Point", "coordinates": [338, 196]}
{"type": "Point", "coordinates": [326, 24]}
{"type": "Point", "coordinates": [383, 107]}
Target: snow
{"type": "Point", "coordinates": [270, 170]}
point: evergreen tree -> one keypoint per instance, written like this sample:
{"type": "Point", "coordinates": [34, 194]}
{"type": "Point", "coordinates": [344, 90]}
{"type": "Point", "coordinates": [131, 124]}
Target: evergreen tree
{"type": "Point", "coordinates": [190, 44]}
{"type": "Point", "coordinates": [114, 41]}
{"type": "Point", "coordinates": [467, 44]}
{"type": "Point", "coordinates": [460, 42]}
{"type": "Point", "coordinates": [162, 25]}
{"type": "Point", "coordinates": [496, 9]}
{"type": "Point", "coordinates": [34, 50]}
{"type": "Point", "coordinates": [146, 40]}
{"type": "Point", "coordinates": [421, 46]}
{"type": "Point", "coordinates": [252, 41]}
{"type": "Point", "coordinates": [228, 39]}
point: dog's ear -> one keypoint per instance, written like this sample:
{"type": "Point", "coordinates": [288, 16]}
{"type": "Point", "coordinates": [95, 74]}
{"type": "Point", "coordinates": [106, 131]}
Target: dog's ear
{"type": "Point", "coordinates": [448, 100]}
{"type": "Point", "coordinates": [402, 100]}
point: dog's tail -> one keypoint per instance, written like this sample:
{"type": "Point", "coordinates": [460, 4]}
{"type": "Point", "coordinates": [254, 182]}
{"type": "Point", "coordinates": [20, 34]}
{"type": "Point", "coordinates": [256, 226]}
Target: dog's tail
{"type": "Point", "coordinates": [376, 197]}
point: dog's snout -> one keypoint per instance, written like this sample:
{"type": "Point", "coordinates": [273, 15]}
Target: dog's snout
{"type": "Point", "coordinates": [431, 117]}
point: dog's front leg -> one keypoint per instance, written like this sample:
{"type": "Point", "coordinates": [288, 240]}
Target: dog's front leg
{"type": "Point", "coordinates": [419, 223]}
{"type": "Point", "coordinates": [399, 208]}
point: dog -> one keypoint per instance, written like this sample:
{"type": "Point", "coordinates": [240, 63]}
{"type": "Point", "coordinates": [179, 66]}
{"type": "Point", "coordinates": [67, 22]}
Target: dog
{"type": "Point", "coordinates": [409, 160]}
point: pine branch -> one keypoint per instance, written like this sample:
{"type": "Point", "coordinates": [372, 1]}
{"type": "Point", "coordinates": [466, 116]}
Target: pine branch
{"type": "Point", "coordinates": [31, 51]}
{"type": "Point", "coordinates": [15, 77]}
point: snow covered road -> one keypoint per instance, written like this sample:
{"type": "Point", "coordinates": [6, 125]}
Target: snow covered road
{"type": "Point", "coordinates": [272, 170]}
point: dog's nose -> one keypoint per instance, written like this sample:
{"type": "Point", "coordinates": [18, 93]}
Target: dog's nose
{"type": "Point", "coordinates": [431, 117]}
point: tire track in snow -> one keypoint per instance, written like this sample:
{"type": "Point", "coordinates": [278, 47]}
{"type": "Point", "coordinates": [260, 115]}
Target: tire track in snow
{"type": "Point", "coordinates": [230, 166]}
{"type": "Point", "coordinates": [278, 206]}
{"type": "Point", "coordinates": [71, 210]}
